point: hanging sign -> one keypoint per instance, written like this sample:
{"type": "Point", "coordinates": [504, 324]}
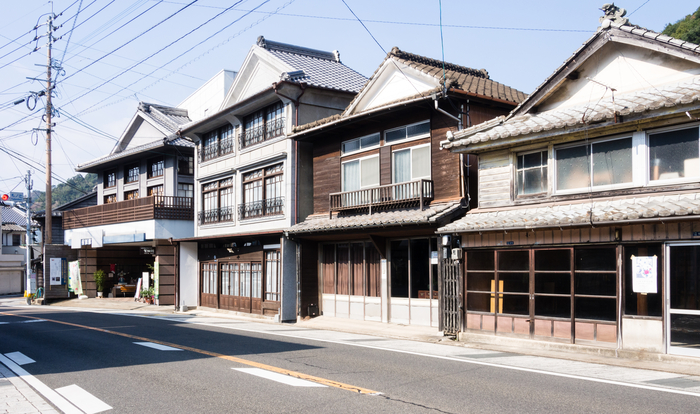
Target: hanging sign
{"type": "Point", "coordinates": [74, 284]}
{"type": "Point", "coordinates": [644, 274]}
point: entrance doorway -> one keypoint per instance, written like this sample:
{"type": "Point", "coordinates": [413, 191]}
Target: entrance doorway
{"type": "Point", "coordinates": [683, 299]}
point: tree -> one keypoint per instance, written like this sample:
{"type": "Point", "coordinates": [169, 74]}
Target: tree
{"type": "Point", "coordinates": [73, 188]}
{"type": "Point", "coordinates": [687, 29]}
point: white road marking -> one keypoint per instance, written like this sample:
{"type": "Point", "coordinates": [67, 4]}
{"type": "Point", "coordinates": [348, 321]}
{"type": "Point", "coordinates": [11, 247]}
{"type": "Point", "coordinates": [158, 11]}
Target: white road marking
{"type": "Point", "coordinates": [19, 358]}
{"type": "Point", "coordinates": [284, 379]}
{"type": "Point", "coordinates": [33, 321]}
{"type": "Point", "coordinates": [83, 399]}
{"type": "Point", "coordinates": [51, 395]}
{"type": "Point", "coordinates": [4, 323]}
{"type": "Point", "coordinates": [158, 346]}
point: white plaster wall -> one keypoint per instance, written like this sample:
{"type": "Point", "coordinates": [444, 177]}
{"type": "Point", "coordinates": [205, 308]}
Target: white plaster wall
{"type": "Point", "coordinates": [189, 275]}
{"type": "Point", "coordinates": [154, 230]}
{"type": "Point", "coordinates": [206, 100]}
{"type": "Point", "coordinates": [642, 335]}
{"type": "Point", "coordinates": [144, 134]}
{"type": "Point", "coordinates": [622, 67]}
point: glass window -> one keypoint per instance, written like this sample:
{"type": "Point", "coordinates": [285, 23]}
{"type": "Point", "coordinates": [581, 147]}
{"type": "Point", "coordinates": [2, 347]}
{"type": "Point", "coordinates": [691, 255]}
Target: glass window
{"type": "Point", "coordinates": [531, 173]}
{"type": "Point", "coordinates": [112, 198]}
{"type": "Point", "coordinates": [356, 144]}
{"type": "Point", "coordinates": [411, 164]}
{"type": "Point", "coordinates": [399, 269]}
{"type": "Point", "coordinates": [637, 303]}
{"type": "Point", "coordinates": [263, 192]}
{"type": "Point", "coordinates": [217, 201]}
{"type": "Point", "coordinates": [110, 179]}
{"type": "Point", "coordinates": [264, 124]}
{"type": "Point", "coordinates": [185, 165]}
{"type": "Point", "coordinates": [272, 275]}
{"type": "Point", "coordinates": [131, 195]}
{"type": "Point", "coordinates": [156, 190]}
{"type": "Point", "coordinates": [155, 167]}
{"type": "Point", "coordinates": [131, 173]}
{"type": "Point", "coordinates": [185, 190]}
{"type": "Point", "coordinates": [418, 130]}
{"type": "Point", "coordinates": [360, 173]}
{"type": "Point", "coordinates": [610, 164]}
{"type": "Point", "coordinates": [674, 154]}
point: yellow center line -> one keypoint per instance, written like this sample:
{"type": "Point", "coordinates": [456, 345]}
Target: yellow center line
{"type": "Point", "coordinates": [283, 371]}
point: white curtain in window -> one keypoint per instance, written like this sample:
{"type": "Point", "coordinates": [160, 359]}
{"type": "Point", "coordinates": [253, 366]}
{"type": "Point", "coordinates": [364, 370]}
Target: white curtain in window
{"type": "Point", "coordinates": [402, 166]}
{"type": "Point", "coordinates": [370, 172]}
{"type": "Point", "coordinates": [420, 163]}
{"type": "Point", "coordinates": [351, 176]}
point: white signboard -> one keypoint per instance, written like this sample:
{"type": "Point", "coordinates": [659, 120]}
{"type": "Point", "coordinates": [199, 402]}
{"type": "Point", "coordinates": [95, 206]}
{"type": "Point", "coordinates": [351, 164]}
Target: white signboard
{"type": "Point", "coordinates": [55, 271]}
{"type": "Point", "coordinates": [644, 274]}
{"type": "Point", "coordinates": [74, 283]}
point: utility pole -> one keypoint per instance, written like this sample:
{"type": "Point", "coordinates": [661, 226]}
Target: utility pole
{"type": "Point", "coordinates": [49, 109]}
{"type": "Point", "coordinates": [28, 236]}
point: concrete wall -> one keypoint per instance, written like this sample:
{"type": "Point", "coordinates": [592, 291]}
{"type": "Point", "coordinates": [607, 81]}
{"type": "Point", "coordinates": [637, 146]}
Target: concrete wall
{"type": "Point", "coordinates": [288, 311]}
{"type": "Point", "coordinates": [642, 335]}
{"type": "Point", "coordinates": [189, 275]}
{"type": "Point", "coordinates": [207, 99]}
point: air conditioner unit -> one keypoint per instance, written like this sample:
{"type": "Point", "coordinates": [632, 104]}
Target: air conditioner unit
{"type": "Point", "coordinates": [457, 254]}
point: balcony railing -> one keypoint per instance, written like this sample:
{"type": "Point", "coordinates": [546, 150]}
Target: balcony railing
{"type": "Point", "coordinates": [216, 215]}
{"type": "Point", "coordinates": [146, 208]}
{"type": "Point", "coordinates": [271, 129]}
{"type": "Point", "coordinates": [262, 208]}
{"type": "Point", "coordinates": [407, 194]}
{"type": "Point", "coordinates": [218, 149]}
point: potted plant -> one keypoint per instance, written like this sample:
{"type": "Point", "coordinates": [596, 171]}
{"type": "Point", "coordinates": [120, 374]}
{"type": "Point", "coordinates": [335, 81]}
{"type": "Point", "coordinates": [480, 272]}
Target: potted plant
{"type": "Point", "coordinates": [147, 295]}
{"type": "Point", "coordinates": [99, 277]}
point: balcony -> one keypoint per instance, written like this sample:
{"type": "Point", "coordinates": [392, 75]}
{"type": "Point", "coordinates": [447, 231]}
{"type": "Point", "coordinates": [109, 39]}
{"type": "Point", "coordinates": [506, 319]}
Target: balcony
{"type": "Point", "coordinates": [146, 208]}
{"type": "Point", "coordinates": [216, 215]}
{"type": "Point", "coordinates": [217, 149]}
{"type": "Point", "coordinates": [271, 129]}
{"type": "Point", "coordinates": [262, 208]}
{"type": "Point", "coordinates": [408, 194]}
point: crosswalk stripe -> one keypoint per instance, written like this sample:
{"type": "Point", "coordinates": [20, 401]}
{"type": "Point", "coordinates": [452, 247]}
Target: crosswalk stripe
{"type": "Point", "coordinates": [284, 379]}
{"type": "Point", "coordinates": [19, 358]}
{"type": "Point", "coordinates": [83, 399]}
{"type": "Point", "coordinates": [157, 346]}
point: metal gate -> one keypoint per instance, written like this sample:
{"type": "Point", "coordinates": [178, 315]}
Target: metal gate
{"type": "Point", "coordinates": [451, 295]}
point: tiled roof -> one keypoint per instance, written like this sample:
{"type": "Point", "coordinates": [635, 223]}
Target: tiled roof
{"type": "Point", "coordinates": [460, 77]}
{"type": "Point", "coordinates": [431, 215]}
{"type": "Point", "coordinates": [315, 67]}
{"type": "Point", "coordinates": [12, 227]}
{"type": "Point", "coordinates": [168, 117]}
{"type": "Point", "coordinates": [521, 122]}
{"type": "Point", "coordinates": [473, 81]}
{"type": "Point", "coordinates": [602, 211]}
{"type": "Point", "coordinates": [581, 116]}
{"type": "Point", "coordinates": [13, 215]}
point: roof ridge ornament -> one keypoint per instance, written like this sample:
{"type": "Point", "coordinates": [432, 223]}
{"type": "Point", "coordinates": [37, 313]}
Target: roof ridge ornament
{"type": "Point", "coordinates": [613, 15]}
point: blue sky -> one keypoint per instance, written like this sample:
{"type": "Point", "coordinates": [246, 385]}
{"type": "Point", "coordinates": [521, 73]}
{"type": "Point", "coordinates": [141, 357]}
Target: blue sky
{"type": "Point", "coordinates": [518, 42]}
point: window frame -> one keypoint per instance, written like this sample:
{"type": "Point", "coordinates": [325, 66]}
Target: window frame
{"type": "Point", "coordinates": [189, 190]}
{"type": "Point", "coordinates": [594, 188]}
{"type": "Point", "coordinates": [225, 186]}
{"type": "Point", "coordinates": [411, 149]}
{"type": "Point", "coordinates": [359, 161]}
{"type": "Point", "coordinates": [407, 138]}
{"type": "Point", "coordinates": [270, 127]}
{"type": "Point", "coordinates": [190, 164]}
{"type": "Point", "coordinates": [153, 162]}
{"type": "Point", "coordinates": [360, 147]}
{"type": "Point", "coordinates": [107, 183]}
{"type": "Point", "coordinates": [263, 178]}
{"type": "Point", "coordinates": [516, 155]}
{"type": "Point", "coordinates": [647, 155]}
{"type": "Point", "coordinates": [131, 194]}
{"type": "Point", "coordinates": [150, 190]}
{"type": "Point", "coordinates": [109, 199]}
{"type": "Point", "coordinates": [128, 179]}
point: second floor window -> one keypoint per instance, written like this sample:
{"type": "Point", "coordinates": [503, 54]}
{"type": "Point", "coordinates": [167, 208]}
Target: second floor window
{"type": "Point", "coordinates": [110, 179]}
{"type": "Point", "coordinates": [602, 163]}
{"type": "Point", "coordinates": [216, 143]}
{"type": "Point", "coordinates": [263, 125]}
{"type": "Point", "coordinates": [156, 190]}
{"type": "Point", "coordinates": [674, 155]}
{"type": "Point", "coordinates": [185, 190]}
{"type": "Point", "coordinates": [185, 165]}
{"type": "Point", "coordinates": [408, 132]}
{"type": "Point", "coordinates": [263, 192]}
{"type": "Point", "coordinates": [411, 164]}
{"type": "Point", "coordinates": [112, 198]}
{"type": "Point", "coordinates": [217, 201]}
{"type": "Point", "coordinates": [531, 173]}
{"type": "Point", "coordinates": [131, 173]}
{"type": "Point", "coordinates": [131, 195]}
{"type": "Point", "coordinates": [362, 143]}
{"type": "Point", "coordinates": [360, 173]}
{"type": "Point", "coordinates": [155, 167]}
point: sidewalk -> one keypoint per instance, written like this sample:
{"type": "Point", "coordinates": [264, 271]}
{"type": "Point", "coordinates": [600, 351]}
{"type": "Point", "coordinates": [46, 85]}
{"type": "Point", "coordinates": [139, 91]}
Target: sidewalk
{"type": "Point", "coordinates": [16, 397]}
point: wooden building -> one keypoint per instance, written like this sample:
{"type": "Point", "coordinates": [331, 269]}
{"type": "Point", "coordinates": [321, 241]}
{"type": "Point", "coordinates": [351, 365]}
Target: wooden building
{"type": "Point", "coordinates": [587, 225]}
{"type": "Point", "coordinates": [252, 181]}
{"type": "Point", "coordinates": [382, 186]}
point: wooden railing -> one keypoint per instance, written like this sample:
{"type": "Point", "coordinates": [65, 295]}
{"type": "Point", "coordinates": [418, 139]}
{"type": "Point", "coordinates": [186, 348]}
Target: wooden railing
{"type": "Point", "coordinates": [411, 193]}
{"type": "Point", "coordinates": [146, 208]}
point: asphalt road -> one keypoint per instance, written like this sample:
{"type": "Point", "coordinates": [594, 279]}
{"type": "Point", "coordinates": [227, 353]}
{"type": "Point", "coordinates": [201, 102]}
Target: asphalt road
{"type": "Point", "coordinates": [99, 353]}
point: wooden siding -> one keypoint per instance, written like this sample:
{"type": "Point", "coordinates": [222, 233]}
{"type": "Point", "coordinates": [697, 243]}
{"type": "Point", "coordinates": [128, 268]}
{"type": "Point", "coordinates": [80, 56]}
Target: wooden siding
{"type": "Point", "coordinates": [668, 231]}
{"type": "Point", "coordinates": [385, 166]}
{"type": "Point", "coordinates": [167, 265]}
{"type": "Point", "coordinates": [308, 274]}
{"type": "Point", "coordinates": [495, 179]}
{"type": "Point", "coordinates": [444, 164]}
